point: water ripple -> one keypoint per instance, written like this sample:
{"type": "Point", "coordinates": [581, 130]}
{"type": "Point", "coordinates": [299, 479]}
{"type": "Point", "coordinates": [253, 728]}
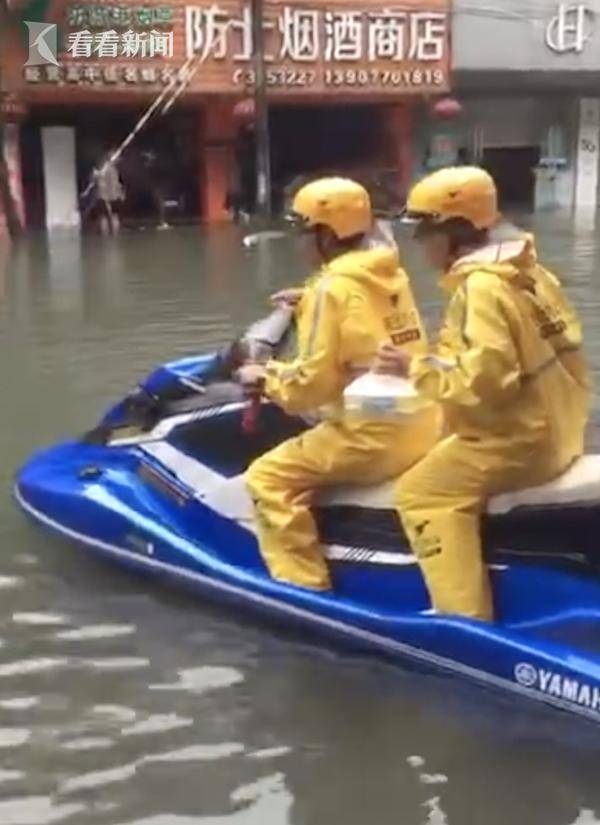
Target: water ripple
{"type": "Point", "coordinates": [271, 753]}
{"type": "Point", "coordinates": [98, 631]}
{"type": "Point", "coordinates": [115, 713]}
{"type": "Point", "coordinates": [19, 703]}
{"type": "Point", "coordinates": [586, 817]}
{"type": "Point", "coordinates": [39, 619]}
{"type": "Point", "coordinates": [115, 663]}
{"type": "Point", "coordinates": [158, 723]}
{"type": "Point", "coordinates": [202, 753]}
{"type": "Point", "coordinates": [23, 667]}
{"type": "Point", "coordinates": [97, 779]}
{"type": "Point", "coordinates": [13, 737]}
{"type": "Point", "coordinates": [88, 743]}
{"type": "Point", "coordinates": [202, 679]}
{"type": "Point", "coordinates": [35, 810]}
{"type": "Point", "coordinates": [10, 582]}
{"type": "Point", "coordinates": [11, 776]}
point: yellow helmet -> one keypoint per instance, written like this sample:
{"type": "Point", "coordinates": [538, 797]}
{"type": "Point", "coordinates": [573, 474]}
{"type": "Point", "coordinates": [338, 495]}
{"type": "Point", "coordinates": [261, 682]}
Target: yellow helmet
{"type": "Point", "coordinates": [456, 192]}
{"type": "Point", "coordinates": [338, 203]}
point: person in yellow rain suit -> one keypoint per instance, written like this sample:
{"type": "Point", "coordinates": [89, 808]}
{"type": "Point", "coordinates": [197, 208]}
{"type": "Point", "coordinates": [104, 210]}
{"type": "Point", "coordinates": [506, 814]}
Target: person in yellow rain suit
{"type": "Point", "coordinates": [359, 299]}
{"type": "Point", "coordinates": [509, 373]}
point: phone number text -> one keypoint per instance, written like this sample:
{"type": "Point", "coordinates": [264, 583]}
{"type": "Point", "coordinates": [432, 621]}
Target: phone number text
{"type": "Point", "coordinates": [343, 78]}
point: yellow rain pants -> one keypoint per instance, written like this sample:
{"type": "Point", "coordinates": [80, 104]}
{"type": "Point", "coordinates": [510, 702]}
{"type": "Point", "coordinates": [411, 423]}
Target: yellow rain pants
{"type": "Point", "coordinates": [357, 302]}
{"type": "Point", "coordinates": [513, 385]}
{"type": "Point", "coordinates": [283, 484]}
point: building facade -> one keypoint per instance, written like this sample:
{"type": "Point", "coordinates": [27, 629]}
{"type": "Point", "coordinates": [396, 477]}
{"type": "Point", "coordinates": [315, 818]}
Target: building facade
{"type": "Point", "coordinates": [527, 73]}
{"type": "Point", "coordinates": [348, 84]}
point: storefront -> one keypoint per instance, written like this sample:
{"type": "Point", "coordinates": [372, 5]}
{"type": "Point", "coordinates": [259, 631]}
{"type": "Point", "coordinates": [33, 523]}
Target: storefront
{"type": "Point", "coordinates": [527, 76]}
{"type": "Point", "coordinates": [347, 83]}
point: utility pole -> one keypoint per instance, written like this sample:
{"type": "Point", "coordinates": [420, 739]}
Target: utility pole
{"type": "Point", "coordinates": [7, 202]}
{"type": "Point", "coordinates": [261, 111]}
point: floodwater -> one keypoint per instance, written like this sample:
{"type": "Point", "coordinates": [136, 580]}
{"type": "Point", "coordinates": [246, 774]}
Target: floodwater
{"type": "Point", "coordinates": [123, 703]}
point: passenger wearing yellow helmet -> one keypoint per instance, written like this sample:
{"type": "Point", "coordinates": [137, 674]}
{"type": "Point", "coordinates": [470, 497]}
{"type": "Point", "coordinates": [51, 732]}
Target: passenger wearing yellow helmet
{"type": "Point", "coordinates": [509, 373]}
{"type": "Point", "coordinates": [359, 298]}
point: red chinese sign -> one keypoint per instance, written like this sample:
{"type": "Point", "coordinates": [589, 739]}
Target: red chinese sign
{"type": "Point", "coordinates": [314, 48]}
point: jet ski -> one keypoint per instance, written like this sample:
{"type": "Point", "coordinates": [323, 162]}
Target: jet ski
{"type": "Point", "coordinates": [158, 487]}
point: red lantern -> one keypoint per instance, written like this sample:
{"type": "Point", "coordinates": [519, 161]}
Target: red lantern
{"type": "Point", "coordinates": [244, 111]}
{"type": "Point", "coordinates": [447, 108]}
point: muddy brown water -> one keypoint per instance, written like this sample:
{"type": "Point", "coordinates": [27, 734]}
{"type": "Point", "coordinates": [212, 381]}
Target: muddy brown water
{"type": "Point", "coordinates": [123, 703]}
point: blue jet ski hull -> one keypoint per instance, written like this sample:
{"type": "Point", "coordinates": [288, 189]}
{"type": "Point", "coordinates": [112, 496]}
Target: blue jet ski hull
{"type": "Point", "coordinates": [120, 502]}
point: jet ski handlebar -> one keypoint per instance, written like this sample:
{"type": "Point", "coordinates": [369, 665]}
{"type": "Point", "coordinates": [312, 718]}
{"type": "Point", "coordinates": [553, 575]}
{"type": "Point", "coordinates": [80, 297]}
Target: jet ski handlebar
{"type": "Point", "coordinates": [213, 383]}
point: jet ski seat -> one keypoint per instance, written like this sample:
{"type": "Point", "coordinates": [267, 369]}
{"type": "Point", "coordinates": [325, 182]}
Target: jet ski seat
{"type": "Point", "coordinates": [579, 484]}
{"type": "Point", "coordinates": [552, 519]}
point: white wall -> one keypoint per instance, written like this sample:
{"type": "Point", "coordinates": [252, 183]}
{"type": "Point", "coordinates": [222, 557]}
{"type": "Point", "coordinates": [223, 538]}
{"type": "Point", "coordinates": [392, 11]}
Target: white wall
{"type": "Point", "coordinates": [510, 35]}
{"type": "Point", "coordinates": [60, 177]}
{"type": "Point", "coordinates": [588, 154]}
{"type": "Point", "coordinates": [510, 120]}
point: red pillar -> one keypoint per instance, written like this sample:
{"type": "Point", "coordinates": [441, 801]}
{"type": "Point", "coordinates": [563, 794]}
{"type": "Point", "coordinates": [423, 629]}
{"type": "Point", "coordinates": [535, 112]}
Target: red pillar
{"type": "Point", "coordinates": [217, 159]}
{"type": "Point", "coordinates": [399, 138]}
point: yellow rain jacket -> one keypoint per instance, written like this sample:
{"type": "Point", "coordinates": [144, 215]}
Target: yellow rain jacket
{"type": "Point", "coordinates": [357, 302]}
{"type": "Point", "coordinates": [513, 384]}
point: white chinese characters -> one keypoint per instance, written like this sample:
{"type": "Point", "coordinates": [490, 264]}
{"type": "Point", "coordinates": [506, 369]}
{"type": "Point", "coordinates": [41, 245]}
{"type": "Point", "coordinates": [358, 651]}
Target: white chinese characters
{"type": "Point", "coordinates": [309, 35]}
{"type": "Point", "coordinates": [112, 44]}
{"type": "Point", "coordinates": [428, 33]}
{"type": "Point", "coordinates": [300, 34]}
{"type": "Point", "coordinates": [387, 36]}
{"type": "Point", "coordinates": [343, 35]}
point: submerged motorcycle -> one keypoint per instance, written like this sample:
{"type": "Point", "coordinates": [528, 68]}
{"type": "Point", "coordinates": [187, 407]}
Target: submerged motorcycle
{"type": "Point", "coordinates": [158, 487]}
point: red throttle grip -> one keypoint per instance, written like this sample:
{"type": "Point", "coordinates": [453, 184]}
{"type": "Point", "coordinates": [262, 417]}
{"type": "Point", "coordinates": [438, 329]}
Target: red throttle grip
{"type": "Point", "coordinates": [250, 416]}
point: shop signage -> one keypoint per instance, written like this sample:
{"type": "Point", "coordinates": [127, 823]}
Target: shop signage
{"type": "Point", "coordinates": [331, 47]}
{"type": "Point", "coordinates": [366, 47]}
{"type": "Point", "coordinates": [119, 17]}
{"type": "Point", "coordinates": [570, 28]}
{"type": "Point", "coordinates": [113, 75]}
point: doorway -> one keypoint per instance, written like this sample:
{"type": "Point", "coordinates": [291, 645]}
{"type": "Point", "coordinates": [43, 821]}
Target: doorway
{"type": "Point", "coordinates": [307, 141]}
{"type": "Point", "coordinates": [158, 171]}
{"type": "Point", "coordinates": [32, 174]}
{"type": "Point", "coordinates": [513, 170]}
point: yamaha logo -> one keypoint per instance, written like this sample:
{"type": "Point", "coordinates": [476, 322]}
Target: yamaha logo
{"type": "Point", "coordinates": [526, 674]}
{"type": "Point", "coordinates": [558, 685]}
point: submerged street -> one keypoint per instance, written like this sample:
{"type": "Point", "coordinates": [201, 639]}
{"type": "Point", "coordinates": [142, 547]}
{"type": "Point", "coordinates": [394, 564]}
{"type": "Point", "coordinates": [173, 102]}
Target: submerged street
{"type": "Point", "coordinates": [125, 703]}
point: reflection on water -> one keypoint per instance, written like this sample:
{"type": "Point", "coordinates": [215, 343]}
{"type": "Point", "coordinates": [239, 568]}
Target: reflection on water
{"type": "Point", "coordinates": [125, 704]}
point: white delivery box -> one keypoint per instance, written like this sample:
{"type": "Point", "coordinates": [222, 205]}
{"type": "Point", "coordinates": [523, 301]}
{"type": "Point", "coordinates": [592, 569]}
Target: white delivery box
{"type": "Point", "coordinates": [383, 395]}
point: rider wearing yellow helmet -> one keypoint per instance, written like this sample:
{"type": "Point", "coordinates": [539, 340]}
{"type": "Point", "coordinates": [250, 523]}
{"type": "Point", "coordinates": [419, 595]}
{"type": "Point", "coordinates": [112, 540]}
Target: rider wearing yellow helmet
{"type": "Point", "coordinates": [509, 373]}
{"type": "Point", "coordinates": [359, 298]}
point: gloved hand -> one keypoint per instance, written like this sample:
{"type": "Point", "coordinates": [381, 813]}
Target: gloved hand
{"type": "Point", "coordinates": [391, 360]}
